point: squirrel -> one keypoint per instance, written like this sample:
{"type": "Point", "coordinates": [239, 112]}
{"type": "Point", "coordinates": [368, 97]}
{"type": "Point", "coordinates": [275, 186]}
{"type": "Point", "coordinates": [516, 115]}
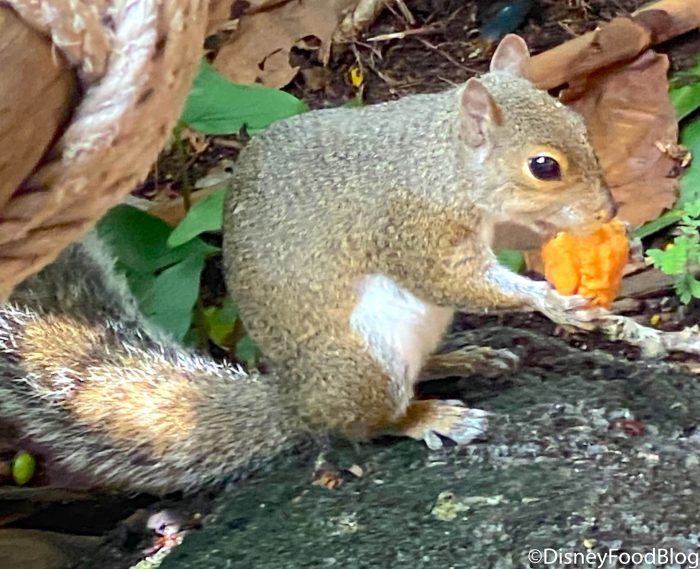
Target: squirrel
{"type": "Point", "coordinates": [351, 236]}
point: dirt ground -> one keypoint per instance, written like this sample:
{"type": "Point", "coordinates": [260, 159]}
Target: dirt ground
{"type": "Point", "coordinates": [589, 449]}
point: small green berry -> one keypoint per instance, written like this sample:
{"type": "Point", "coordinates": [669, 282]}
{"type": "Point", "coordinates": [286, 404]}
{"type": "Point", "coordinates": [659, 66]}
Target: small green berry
{"type": "Point", "coordinates": [23, 467]}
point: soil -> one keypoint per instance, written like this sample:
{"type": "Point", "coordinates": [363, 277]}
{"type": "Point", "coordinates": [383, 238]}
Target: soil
{"type": "Point", "coordinates": [589, 449]}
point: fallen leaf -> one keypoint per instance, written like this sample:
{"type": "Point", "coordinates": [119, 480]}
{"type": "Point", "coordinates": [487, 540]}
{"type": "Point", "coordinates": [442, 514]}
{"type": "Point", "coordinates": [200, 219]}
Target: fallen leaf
{"type": "Point", "coordinates": [219, 15]}
{"type": "Point", "coordinates": [258, 51]}
{"type": "Point", "coordinates": [223, 14]}
{"type": "Point", "coordinates": [630, 122]}
{"type": "Point", "coordinates": [328, 479]}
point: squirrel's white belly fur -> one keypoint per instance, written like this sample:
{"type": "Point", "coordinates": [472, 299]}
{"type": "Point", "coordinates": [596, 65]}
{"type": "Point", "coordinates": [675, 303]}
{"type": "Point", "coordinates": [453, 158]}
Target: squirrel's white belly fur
{"type": "Point", "coordinates": [399, 329]}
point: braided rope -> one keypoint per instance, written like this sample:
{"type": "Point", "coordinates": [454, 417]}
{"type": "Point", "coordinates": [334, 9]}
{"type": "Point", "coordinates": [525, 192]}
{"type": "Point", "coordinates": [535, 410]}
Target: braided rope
{"type": "Point", "coordinates": [135, 59]}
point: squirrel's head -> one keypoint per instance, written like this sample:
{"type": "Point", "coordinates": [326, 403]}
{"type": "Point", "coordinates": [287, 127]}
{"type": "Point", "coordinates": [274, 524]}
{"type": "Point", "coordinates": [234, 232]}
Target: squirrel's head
{"type": "Point", "coordinates": [531, 153]}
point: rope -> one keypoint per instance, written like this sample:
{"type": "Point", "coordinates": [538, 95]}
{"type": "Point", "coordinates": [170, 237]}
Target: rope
{"type": "Point", "coordinates": [135, 60]}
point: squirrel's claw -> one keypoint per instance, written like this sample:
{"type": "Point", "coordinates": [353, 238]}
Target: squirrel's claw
{"type": "Point", "coordinates": [432, 419]}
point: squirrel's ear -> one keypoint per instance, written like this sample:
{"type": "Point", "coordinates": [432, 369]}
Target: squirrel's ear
{"type": "Point", "coordinates": [478, 113]}
{"type": "Point", "coordinates": [511, 56]}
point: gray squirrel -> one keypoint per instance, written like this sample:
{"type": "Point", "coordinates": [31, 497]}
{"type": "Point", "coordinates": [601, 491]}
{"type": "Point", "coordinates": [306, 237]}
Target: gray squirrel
{"type": "Point", "coordinates": [350, 238]}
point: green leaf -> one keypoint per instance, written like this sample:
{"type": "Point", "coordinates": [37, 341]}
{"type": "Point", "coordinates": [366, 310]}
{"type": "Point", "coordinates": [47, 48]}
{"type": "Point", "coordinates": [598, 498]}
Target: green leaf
{"type": "Point", "coordinates": [685, 91]}
{"type": "Point", "coordinates": [691, 211]}
{"type": "Point", "coordinates": [684, 294]}
{"type": "Point", "coordinates": [694, 286]}
{"type": "Point", "coordinates": [225, 329]}
{"type": "Point", "coordinates": [140, 241]}
{"type": "Point", "coordinates": [221, 321]}
{"type": "Point", "coordinates": [687, 287]}
{"type": "Point", "coordinates": [205, 215]}
{"type": "Point", "coordinates": [662, 222]}
{"type": "Point", "coordinates": [673, 260]}
{"type": "Point", "coordinates": [247, 351]}
{"type": "Point", "coordinates": [164, 280]}
{"type": "Point", "coordinates": [171, 296]}
{"type": "Point", "coordinates": [217, 106]}
{"type": "Point", "coordinates": [690, 182]}
{"type": "Point", "coordinates": [511, 258]}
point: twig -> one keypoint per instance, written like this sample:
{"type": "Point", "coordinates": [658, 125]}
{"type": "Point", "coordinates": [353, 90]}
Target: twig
{"type": "Point", "coordinates": [447, 56]}
{"type": "Point", "coordinates": [652, 342]}
{"type": "Point", "coordinates": [403, 34]}
{"type": "Point", "coordinates": [405, 12]}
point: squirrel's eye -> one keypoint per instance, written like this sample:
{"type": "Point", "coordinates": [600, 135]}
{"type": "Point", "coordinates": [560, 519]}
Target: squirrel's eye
{"type": "Point", "coordinates": [544, 167]}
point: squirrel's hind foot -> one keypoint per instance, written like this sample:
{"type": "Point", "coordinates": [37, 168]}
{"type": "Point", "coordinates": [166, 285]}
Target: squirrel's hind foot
{"type": "Point", "coordinates": [431, 419]}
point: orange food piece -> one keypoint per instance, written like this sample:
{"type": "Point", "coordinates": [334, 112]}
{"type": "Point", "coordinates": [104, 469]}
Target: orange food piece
{"type": "Point", "coordinates": [589, 265]}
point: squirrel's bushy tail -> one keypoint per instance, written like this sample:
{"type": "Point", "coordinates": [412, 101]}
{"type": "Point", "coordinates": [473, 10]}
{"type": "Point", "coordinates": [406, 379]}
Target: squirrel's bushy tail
{"type": "Point", "coordinates": [110, 403]}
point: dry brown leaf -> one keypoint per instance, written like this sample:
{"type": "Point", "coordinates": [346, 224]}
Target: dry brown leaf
{"type": "Point", "coordinates": [328, 479]}
{"type": "Point", "coordinates": [630, 120]}
{"type": "Point", "coordinates": [617, 41]}
{"type": "Point", "coordinates": [259, 49]}
{"type": "Point", "coordinates": [223, 13]}
{"type": "Point", "coordinates": [219, 15]}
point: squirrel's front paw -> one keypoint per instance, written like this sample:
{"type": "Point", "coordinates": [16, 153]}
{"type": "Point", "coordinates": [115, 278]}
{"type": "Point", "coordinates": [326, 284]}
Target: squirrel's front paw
{"type": "Point", "coordinates": [431, 419]}
{"type": "Point", "coordinates": [574, 309]}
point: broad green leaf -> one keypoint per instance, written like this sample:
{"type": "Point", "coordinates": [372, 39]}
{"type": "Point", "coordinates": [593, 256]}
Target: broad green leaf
{"type": "Point", "coordinates": [215, 105]}
{"type": "Point", "coordinates": [205, 215]}
{"type": "Point", "coordinates": [172, 294]}
{"type": "Point", "coordinates": [511, 258]}
{"type": "Point", "coordinates": [662, 222]}
{"type": "Point", "coordinates": [140, 284]}
{"type": "Point", "coordinates": [690, 182]}
{"type": "Point", "coordinates": [683, 293]}
{"type": "Point", "coordinates": [164, 280]}
{"type": "Point", "coordinates": [687, 287]}
{"type": "Point", "coordinates": [685, 91]}
{"type": "Point", "coordinates": [140, 241]}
